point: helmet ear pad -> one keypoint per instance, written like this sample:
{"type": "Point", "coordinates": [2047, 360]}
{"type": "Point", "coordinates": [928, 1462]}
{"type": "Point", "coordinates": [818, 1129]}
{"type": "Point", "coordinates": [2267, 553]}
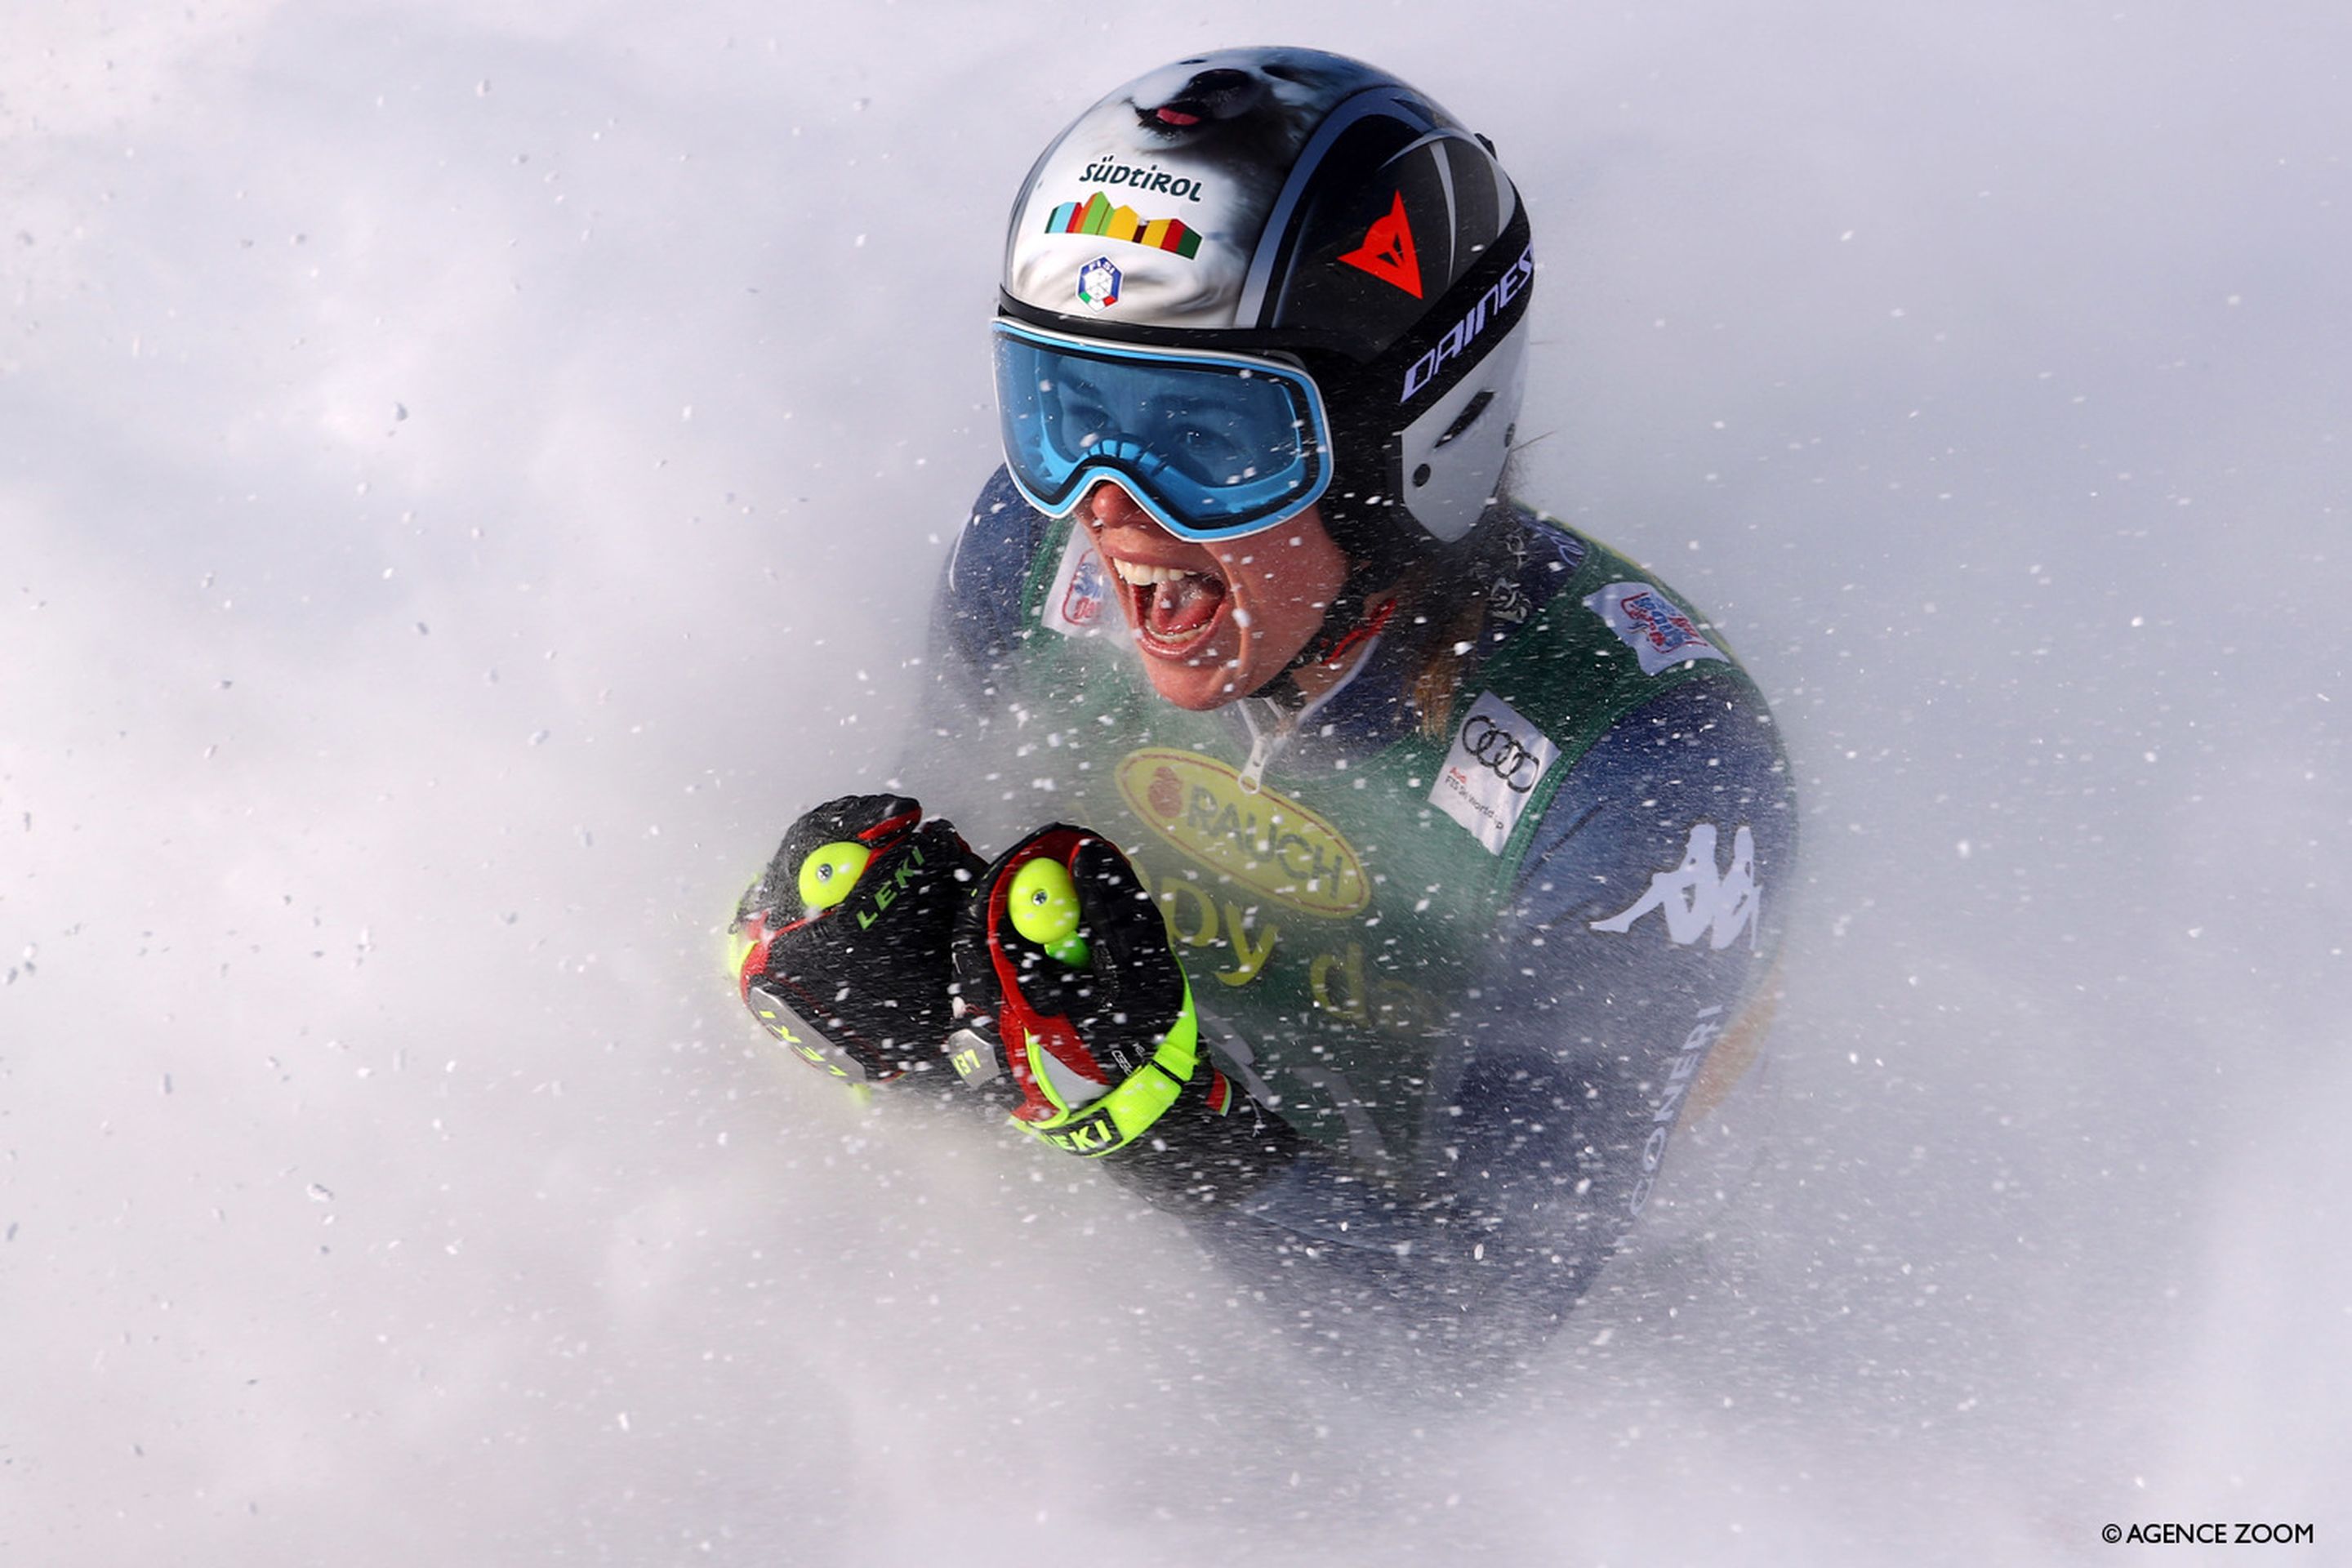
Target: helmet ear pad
{"type": "Point", "coordinates": [1401, 494]}
{"type": "Point", "coordinates": [1451, 458]}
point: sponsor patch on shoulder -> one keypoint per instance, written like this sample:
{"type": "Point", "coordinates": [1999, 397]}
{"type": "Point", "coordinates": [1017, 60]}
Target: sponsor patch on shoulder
{"type": "Point", "coordinates": [1491, 772]}
{"type": "Point", "coordinates": [1652, 625]}
{"type": "Point", "coordinates": [1080, 594]}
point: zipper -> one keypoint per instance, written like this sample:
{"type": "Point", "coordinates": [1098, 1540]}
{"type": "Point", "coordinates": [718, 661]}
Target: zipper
{"type": "Point", "coordinates": [1270, 736]}
{"type": "Point", "coordinates": [1274, 723]}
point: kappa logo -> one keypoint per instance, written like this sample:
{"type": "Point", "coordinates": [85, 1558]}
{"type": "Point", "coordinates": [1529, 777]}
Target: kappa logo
{"type": "Point", "coordinates": [1388, 252]}
{"type": "Point", "coordinates": [1698, 900]}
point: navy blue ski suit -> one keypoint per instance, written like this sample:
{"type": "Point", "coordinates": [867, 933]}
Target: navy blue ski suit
{"type": "Point", "coordinates": [1485, 925]}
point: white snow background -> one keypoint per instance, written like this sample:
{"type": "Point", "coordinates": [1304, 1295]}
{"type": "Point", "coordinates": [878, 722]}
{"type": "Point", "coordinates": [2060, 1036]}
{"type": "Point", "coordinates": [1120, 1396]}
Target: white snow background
{"type": "Point", "coordinates": [471, 473]}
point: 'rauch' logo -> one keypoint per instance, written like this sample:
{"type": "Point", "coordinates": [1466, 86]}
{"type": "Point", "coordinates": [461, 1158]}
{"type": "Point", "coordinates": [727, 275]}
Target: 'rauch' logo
{"type": "Point", "coordinates": [1265, 842]}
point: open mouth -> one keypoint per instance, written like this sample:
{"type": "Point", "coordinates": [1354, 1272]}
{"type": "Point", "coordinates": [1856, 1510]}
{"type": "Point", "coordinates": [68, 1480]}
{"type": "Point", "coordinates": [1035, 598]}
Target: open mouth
{"type": "Point", "coordinates": [1218, 92]}
{"type": "Point", "coordinates": [1173, 610]}
{"type": "Point", "coordinates": [1175, 115]}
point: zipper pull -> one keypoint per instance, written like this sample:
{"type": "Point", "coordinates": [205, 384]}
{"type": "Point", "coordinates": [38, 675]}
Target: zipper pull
{"type": "Point", "coordinates": [1262, 749]}
{"type": "Point", "coordinates": [1266, 742]}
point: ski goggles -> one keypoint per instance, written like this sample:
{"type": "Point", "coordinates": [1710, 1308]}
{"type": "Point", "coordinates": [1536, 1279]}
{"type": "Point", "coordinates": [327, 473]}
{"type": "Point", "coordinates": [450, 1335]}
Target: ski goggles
{"type": "Point", "coordinates": [1214, 446]}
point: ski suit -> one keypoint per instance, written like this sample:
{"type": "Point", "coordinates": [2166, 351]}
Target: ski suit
{"type": "Point", "coordinates": [1484, 924]}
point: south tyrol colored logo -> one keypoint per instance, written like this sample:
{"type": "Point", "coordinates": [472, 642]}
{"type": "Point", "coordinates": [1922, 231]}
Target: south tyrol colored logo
{"type": "Point", "coordinates": [1097, 215]}
{"type": "Point", "coordinates": [1267, 843]}
{"type": "Point", "coordinates": [1098, 283]}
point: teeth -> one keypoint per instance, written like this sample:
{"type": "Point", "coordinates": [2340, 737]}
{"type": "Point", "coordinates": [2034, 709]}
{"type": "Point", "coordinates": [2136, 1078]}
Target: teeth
{"type": "Point", "coordinates": [1140, 576]}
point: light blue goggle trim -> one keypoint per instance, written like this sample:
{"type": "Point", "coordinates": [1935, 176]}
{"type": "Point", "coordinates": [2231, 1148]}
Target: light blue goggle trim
{"type": "Point", "coordinates": [1214, 446]}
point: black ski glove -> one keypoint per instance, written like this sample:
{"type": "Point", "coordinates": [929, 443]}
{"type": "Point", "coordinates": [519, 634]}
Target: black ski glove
{"type": "Point", "coordinates": [1077, 1019]}
{"type": "Point", "coordinates": [845, 936]}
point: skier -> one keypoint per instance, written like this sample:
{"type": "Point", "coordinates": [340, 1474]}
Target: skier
{"type": "Point", "coordinates": [1406, 881]}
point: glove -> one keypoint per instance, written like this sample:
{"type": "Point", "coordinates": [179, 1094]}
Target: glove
{"type": "Point", "coordinates": [1076, 1014]}
{"type": "Point", "coordinates": [842, 941]}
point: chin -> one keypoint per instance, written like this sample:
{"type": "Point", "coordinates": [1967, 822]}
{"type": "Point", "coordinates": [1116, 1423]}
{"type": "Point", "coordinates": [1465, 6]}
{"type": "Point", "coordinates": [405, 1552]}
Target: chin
{"type": "Point", "coordinates": [1210, 674]}
{"type": "Point", "coordinates": [1195, 686]}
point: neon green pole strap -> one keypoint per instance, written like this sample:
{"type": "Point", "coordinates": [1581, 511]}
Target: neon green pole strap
{"type": "Point", "coordinates": [1138, 1101]}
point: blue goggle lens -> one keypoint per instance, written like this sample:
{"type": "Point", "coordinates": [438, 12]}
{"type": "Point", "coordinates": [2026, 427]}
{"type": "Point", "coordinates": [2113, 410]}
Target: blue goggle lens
{"type": "Point", "coordinates": [1214, 446]}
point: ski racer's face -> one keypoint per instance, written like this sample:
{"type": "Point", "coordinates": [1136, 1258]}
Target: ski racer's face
{"type": "Point", "coordinates": [1215, 620]}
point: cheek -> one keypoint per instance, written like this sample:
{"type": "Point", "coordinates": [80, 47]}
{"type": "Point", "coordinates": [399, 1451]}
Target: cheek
{"type": "Point", "coordinates": [1303, 574]}
{"type": "Point", "coordinates": [1280, 587]}
{"type": "Point", "coordinates": [1280, 608]}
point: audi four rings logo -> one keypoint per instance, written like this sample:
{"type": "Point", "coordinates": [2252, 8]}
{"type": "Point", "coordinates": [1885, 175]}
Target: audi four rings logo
{"type": "Point", "coordinates": [1490, 776]}
{"type": "Point", "coordinates": [1501, 752]}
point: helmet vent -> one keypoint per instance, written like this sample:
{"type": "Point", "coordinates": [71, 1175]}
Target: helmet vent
{"type": "Point", "coordinates": [1469, 417]}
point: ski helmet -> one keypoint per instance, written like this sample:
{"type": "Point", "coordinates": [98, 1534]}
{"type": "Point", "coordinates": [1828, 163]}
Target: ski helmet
{"type": "Point", "coordinates": [1308, 246]}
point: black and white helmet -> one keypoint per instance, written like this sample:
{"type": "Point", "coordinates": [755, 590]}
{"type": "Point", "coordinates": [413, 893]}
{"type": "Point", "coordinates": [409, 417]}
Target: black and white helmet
{"type": "Point", "coordinates": [1309, 210]}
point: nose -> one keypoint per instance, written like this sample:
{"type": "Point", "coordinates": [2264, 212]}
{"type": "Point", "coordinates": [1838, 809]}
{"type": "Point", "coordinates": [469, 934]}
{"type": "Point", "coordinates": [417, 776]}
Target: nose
{"type": "Point", "coordinates": [1204, 83]}
{"type": "Point", "coordinates": [1109, 505]}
